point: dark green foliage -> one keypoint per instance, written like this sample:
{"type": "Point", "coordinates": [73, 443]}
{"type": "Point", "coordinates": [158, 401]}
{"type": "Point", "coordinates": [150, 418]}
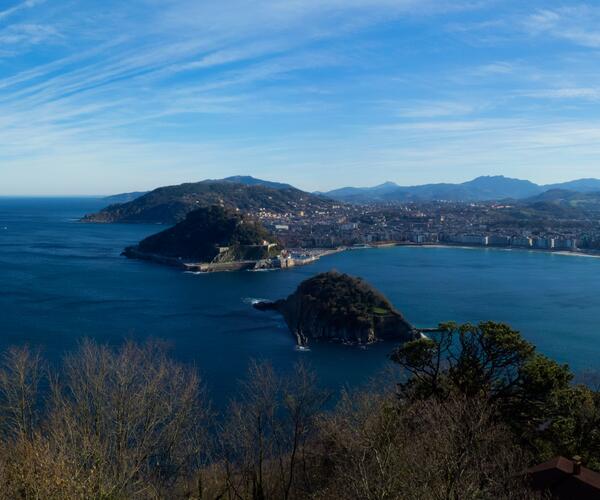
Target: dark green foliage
{"type": "Point", "coordinates": [532, 395]}
{"type": "Point", "coordinates": [203, 231]}
{"type": "Point", "coordinates": [474, 360]}
{"type": "Point", "coordinates": [344, 300]}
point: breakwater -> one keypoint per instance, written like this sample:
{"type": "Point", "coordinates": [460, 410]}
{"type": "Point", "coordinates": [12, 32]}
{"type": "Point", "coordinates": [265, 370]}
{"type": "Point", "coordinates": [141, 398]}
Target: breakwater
{"type": "Point", "coordinates": [284, 261]}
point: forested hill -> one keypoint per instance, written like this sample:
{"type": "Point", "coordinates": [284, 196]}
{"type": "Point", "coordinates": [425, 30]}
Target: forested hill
{"type": "Point", "coordinates": [171, 204]}
{"type": "Point", "coordinates": [584, 203]}
{"type": "Point", "coordinates": [203, 232]}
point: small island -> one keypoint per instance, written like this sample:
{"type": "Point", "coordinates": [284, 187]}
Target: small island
{"type": "Point", "coordinates": [211, 239]}
{"type": "Point", "coordinates": [338, 307]}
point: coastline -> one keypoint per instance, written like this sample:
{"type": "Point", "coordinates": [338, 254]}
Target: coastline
{"type": "Point", "coordinates": [304, 257]}
{"type": "Point", "coordinates": [567, 253]}
{"type": "Point", "coordinates": [297, 257]}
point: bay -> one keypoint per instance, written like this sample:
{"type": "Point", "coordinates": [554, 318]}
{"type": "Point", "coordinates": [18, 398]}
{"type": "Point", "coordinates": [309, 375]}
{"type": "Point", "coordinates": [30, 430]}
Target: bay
{"type": "Point", "coordinates": [61, 281]}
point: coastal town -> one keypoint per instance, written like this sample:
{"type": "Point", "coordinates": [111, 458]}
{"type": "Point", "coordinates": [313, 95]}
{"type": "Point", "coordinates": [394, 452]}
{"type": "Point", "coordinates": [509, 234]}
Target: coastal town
{"type": "Point", "coordinates": [484, 224]}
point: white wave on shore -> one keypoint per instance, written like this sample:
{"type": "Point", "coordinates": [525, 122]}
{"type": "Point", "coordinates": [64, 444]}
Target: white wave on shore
{"type": "Point", "coordinates": [252, 300]}
{"type": "Point", "coordinates": [508, 249]}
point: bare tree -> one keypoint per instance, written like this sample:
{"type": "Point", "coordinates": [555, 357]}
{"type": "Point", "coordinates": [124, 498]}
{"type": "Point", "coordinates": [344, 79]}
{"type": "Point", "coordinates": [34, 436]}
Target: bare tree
{"type": "Point", "coordinates": [264, 442]}
{"type": "Point", "coordinates": [20, 375]}
{"type": "Point", "coordinates": [124, 423]}
{"type": "Point", "coordinates": [130, 423]}
{"type": "Point", "coordinates": [383, 449]}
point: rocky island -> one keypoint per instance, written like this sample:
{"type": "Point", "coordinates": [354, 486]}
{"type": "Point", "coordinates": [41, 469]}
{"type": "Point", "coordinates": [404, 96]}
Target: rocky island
{"type": "Point", "coordinates": [211, 239]}
{"type": "Point", "coordinates": [338, 307]}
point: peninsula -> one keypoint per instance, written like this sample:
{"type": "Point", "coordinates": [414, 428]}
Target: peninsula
{"type": "Point", "coordinates": [171, 204]}
{"type": "Point", "coordinates": [338, 307]}
{"type": "Point", "coordinates": [211, 239]}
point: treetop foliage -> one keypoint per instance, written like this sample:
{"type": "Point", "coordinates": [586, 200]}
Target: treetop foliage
{"type": "Point", "coordinates": [531, 393]}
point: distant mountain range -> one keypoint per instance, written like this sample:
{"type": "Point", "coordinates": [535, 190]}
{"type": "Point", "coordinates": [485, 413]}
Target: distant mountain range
{"type": "Point", "coordinates": [171, 204]}
{"type": "Point", "coordinates": [485, 188]}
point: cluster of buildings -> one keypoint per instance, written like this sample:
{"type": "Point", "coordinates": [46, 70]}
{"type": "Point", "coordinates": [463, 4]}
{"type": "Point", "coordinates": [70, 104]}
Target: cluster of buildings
{"type": "Point", "coordinates": [465, 224]}
{"type": "Point", "coordinates": [519, 241]}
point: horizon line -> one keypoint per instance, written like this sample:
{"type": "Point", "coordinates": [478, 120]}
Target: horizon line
{"type": "Point", "coordinates": [320, 191]}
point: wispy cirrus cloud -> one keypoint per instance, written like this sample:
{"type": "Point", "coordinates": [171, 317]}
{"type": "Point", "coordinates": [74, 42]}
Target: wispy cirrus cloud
{"type": "Point", "coordinates": [20, 6]}
{"type": "Point", "coordinates": [27, 34]}
{"type": "Point", "coordinates": [110, 93]}
{"type": "Point", "coordinates": [576, 23]}
{"type": "Point", "coordinates": [436, 109]}
{"type": "Point", "coordinates": [569, 93]}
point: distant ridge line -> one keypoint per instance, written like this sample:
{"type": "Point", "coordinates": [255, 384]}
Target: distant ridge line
{"type": "Point", "coordinates": [484, 188]}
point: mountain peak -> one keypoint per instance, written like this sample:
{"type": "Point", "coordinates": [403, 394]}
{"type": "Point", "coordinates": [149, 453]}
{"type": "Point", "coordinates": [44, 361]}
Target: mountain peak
{"type": "Point", "coordinates": [242, 179]}
{"type": "Point", "coordinates": [497, 179]}
{"type": "Point", "coordinates": [483, 188]}
{"type": "Point", "coordinates": [248, 180]}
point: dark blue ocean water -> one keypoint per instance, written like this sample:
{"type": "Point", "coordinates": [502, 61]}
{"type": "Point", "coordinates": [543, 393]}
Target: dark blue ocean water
{"type": "Point", "coordinates": [61, 280]}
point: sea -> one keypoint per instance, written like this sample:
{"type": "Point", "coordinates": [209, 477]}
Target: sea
{"type": "Point", "coordinates": [62, 281]}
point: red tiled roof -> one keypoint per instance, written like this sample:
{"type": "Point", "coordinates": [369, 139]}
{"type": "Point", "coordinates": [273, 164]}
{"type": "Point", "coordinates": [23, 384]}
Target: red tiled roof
{"type": "Point", "coordinates": [558, 476]}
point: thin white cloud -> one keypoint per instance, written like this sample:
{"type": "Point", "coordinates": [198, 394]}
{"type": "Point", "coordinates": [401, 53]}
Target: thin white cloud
{"type": "Point", "coordinates": [435, 109]}
{"type": "Point", "coordinates": [28, 34]}
{"type": "Point", "coordinates": [570, 93]}
{"type": "Point", "coordinates": [179, 93]}
{"type": "Point", "coordinates": [495, 68]}
{"type": "Point", "coordinates": [27, 4]}
{"type": "Point", "coordinates": [576, 23]}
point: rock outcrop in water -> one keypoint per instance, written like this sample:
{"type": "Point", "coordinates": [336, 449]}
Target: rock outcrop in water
{"type": "Point", "coordinates": [338, 307]}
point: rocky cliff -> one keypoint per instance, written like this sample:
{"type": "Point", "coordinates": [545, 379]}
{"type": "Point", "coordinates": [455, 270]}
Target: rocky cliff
{"type": "Point", "coordinates": [338, 307]}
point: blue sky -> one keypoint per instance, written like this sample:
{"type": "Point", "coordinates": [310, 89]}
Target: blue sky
{"type": "Point", "coordinates": [110, 96]}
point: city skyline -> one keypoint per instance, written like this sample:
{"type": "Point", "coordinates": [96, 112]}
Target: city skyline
{"type": "Point", "coordinates": [100, 99]}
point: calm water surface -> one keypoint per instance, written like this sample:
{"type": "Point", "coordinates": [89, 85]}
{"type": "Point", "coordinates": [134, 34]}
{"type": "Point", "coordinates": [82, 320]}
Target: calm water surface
{"type": "Point", "coordinates": [61, 280]}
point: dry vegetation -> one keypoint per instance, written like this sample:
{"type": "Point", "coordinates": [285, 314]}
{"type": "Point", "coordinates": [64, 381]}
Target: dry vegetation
{"type": "Point", "coordinates": [132, 424]}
